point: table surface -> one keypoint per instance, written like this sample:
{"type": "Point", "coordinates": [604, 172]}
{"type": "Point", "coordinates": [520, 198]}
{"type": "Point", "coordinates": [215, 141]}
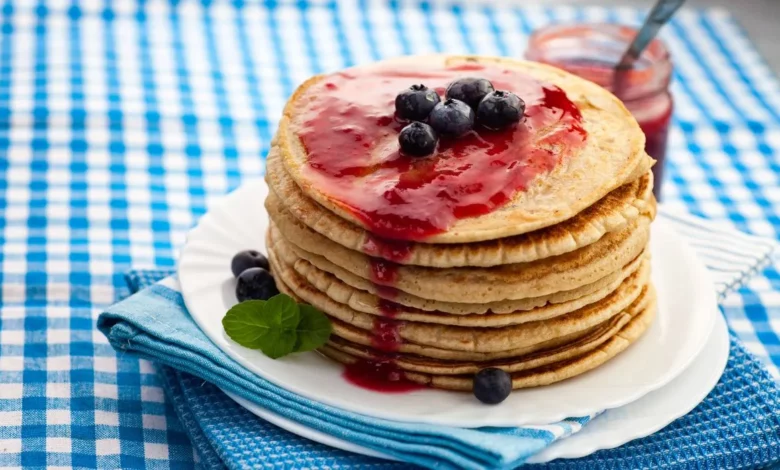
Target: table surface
{"type": "Point", "coordinates": [120, 122]}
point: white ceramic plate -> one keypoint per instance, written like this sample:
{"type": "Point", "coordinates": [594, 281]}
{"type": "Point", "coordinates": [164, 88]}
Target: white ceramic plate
{"type": "Point", "coordinates": [686, 302]}
{"type": "Point", "coordinates": [609, 430]}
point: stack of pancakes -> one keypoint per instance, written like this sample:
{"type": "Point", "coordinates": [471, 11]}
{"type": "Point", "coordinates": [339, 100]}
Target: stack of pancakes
{"type": "Point", "coordinates": [550, 285]}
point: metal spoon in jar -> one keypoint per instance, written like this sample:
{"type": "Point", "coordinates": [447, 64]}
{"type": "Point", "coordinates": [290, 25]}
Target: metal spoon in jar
{"type": "Point", "coordinates": [662, 11]}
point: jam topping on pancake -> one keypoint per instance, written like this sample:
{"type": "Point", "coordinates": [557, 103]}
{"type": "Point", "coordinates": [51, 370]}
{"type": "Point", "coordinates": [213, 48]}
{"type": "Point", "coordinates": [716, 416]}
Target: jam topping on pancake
{"type": "Point", "coordinates": [350, 134]}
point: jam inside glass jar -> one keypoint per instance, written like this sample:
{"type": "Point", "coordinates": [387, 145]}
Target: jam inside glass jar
{"type": "Point", "coordinates": [592, 51]}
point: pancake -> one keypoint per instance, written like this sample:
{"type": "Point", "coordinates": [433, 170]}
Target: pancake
{"type": "Point", "coordinates": [368, 293]}
{"type": "Point", "coordinates": [362, 337]}
{"type": "Point", "coordinates": [363, 302]}
{"type": "Point", "coordinates": [538, 376]}
{"type": "Point", "coordinates": [350, 333]}
{"type": "Point", "coordinates": [293, 213]}
{"type": "Point", "coordinates": [593, 338]}
{"type": "Point", "coordinates": [611, 155]}
{"type": "Point", "coordinates": [479, 285]}
{"type": "Point", "coordinates": [485, 339]}
{"type": "Point", "coordinates": [371, 295]}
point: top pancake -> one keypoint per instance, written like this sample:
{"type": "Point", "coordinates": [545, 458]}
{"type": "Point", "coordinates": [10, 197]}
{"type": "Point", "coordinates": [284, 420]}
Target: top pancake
{"type": "Point", "coordinates": [611, 155]}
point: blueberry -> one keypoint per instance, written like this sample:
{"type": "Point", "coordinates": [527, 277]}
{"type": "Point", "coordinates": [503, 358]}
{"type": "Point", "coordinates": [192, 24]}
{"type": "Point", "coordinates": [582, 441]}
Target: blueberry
{"type": "Point", "coordinates": [470, 90]}
{"type": "Point", "coordinates": [500, 109]}
{"type": "Point", "coordinates": [255, 284]}
{"type": "Point", "coordinates": [492, 385]}
{"type": "Point", "coordinates": [416, 102]}
{"type": "Point", "coordinates": [417, 139]}
{"type": "Point", "coordinates": [246, 259]}
{"type": "Point", "coordinates": [452, 118]}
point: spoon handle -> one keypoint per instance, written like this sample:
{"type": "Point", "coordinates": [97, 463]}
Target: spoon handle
{"type": "Point", "coordinates": [661, 13]}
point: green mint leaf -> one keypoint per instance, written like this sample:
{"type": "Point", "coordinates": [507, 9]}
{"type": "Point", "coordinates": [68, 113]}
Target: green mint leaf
{"type": "Point", "coordinates": [313, 329]}
{"type": "Point", "coordinates": [245, 324]}
{"type": "Point", "coordinates": [279, 342]}
{"type": "Point", "coordinates": [249, 322]}
{"type": "Point", "coordinates": [277, 326]}
{"type": "Point", "coordinates": [284, 310]}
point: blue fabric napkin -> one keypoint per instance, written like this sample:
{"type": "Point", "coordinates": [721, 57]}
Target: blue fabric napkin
{"type": "Point", "coordinates": [154, 324]}
{"type": "Point", "coordinates": [738, 425]}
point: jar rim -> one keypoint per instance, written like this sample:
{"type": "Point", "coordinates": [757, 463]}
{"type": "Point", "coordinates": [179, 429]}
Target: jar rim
{"type": "Point", "coordinates": [656, 51]}
{"type": "Point", "coordinates": [591, 50]}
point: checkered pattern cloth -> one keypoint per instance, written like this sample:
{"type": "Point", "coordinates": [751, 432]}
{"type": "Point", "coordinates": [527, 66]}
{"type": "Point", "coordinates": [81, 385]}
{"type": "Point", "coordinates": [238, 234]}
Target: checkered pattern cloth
{"type": "Point", "coordinates": [119, 122]}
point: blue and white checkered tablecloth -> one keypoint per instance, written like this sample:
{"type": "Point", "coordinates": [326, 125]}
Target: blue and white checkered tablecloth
{"type": "Point", "coordinates": [120, 121]}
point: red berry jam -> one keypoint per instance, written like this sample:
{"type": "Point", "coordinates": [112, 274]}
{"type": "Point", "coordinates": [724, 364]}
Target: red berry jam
{"type": "Point", "coordinates": [383, 272]}
{"type": "Point", "coordinates": [388, 308]}
{"type": "Point", "coordinates": [385, 336]}
{"type": "Point", "coordinates": [351, 136]}
{"type": "Point", "coordinates": [379, 375]}
{"type": "Point", "coordinates": [393, 250]}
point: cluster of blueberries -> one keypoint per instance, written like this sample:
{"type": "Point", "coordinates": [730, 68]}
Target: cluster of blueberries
{"type": "Point", "coordinates": [467, 101]}
{"type": "Point", "coordinates": [253, 274]}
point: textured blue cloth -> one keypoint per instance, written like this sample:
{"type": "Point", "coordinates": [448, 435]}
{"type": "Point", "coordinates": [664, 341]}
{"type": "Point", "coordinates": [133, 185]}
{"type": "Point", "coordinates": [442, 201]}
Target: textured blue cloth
{"type": "Point", "coordinates": [121, 120]}
{"type": "Point", "coordinates": [737, 426]}
{"type": "Point", "coordinates": [154, 324]}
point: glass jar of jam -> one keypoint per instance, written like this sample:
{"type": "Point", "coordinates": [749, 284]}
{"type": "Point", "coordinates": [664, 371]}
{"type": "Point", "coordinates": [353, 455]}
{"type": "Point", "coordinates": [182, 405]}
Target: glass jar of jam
{"type": "Point", "coordinates": [592, 51]}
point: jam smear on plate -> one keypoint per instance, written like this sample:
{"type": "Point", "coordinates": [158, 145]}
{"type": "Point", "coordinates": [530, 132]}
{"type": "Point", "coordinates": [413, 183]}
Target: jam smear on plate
{"type": "Point", "coordinates": [379, 375]}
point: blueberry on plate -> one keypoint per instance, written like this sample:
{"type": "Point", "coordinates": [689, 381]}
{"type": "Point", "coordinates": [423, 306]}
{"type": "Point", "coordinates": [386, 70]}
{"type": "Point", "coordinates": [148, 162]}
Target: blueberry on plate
{"type": "Point", "coordinates": [500, 109]}
{"type": "Point", "coordinates": [416, 102]}
{"type": "Point", "coordinates": [492, 386]}
{"type": "Point", "coordinates": [417, 139]}
{"type": "Point", "coordinates": [246, 259]}
{"type": "Point", "coordinates": [452, 118]}
{"type": "Point", "coordinates": [255, 284]}
{"type": "Point", "coordinates": [470, 90]}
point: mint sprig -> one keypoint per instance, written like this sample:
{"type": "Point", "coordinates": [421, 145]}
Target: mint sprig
{"type": "Point", "coordinates": [278, 326]}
